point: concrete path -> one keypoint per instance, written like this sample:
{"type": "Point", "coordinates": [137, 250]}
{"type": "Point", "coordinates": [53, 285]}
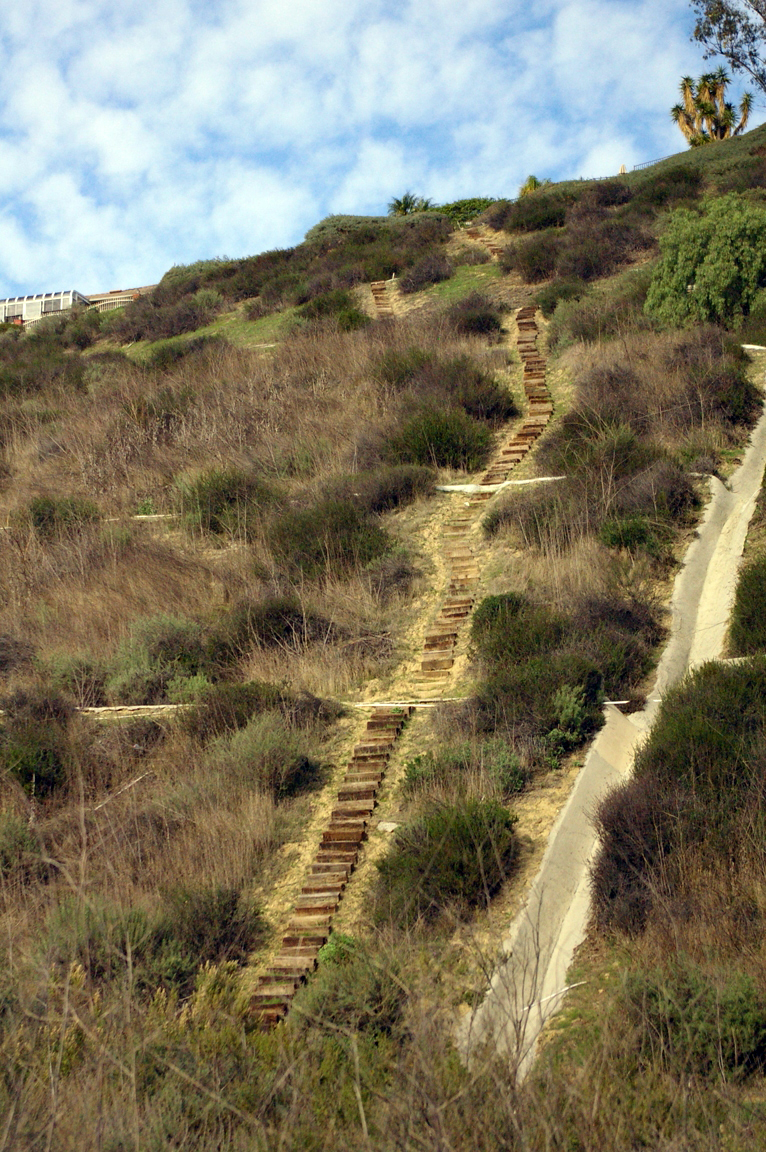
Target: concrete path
{"type": "Point", "coordinates": [529, 985]}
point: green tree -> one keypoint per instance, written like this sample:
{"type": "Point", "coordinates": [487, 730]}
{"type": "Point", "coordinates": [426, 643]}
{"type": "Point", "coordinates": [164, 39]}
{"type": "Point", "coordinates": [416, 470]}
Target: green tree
{"type": "Point", "coordinates": [711, 264]}
{"type": "Point", "coordinates": [704, 114]}
{"type": "Point", "coordinates": [736, 30]}
{"type": "Point", "coordinates": [408, 203]}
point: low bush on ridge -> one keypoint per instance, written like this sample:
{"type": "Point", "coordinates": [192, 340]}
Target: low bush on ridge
{"type": "Point", "coordinates": [451, 860]}
{"type": "Point", "coordinates": [543, 674]}
{"type": "Point", "coordinates": [224, 501]}
{"type": "Point", "coordinates": [441, 439]}
{"type": "Point", "coordinates": [748, 617]}
{"type": "Point", "coordinates": [330, 536]}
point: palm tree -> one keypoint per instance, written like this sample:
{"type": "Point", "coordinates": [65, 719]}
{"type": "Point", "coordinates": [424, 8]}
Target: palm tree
{"type": "Point", "coordinates": [704, 115]}
{"type": "Point", "coordinates": [531, 184]}
{"type": "Point", "coordinates": [407, 204]}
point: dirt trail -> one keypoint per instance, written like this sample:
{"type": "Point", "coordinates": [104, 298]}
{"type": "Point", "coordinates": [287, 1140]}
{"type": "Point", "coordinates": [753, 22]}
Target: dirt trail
{"type": "Point", "coordinates": [530, 985]}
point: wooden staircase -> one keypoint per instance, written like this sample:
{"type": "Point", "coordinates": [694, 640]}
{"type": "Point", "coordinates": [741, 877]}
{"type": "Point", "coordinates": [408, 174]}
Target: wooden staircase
{"type": "Point", "coordinates": [331, 868]}
{"type": "Point", "coordinates": [438, 655]}
{"type": "Point", "coordinates": [492, 246]}
{"type": "Point", "coordinates": [381, 298]}
{"type": "Point", "coordinates": [337, 854]}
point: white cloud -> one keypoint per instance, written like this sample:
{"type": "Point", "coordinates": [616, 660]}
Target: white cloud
{"type": "Point", "coordinates": [135, 136]}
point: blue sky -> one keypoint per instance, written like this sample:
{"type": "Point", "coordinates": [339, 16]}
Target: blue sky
{"type": "Point", "coordinates": [135, 136]}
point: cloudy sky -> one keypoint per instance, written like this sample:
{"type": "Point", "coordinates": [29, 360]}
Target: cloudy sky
{"type": "Point", "coordinates": [136, 135]}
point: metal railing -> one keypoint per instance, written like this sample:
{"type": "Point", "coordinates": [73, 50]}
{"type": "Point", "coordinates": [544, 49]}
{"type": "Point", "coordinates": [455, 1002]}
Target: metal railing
{"type": "Point", "coordinates": [648, 163]}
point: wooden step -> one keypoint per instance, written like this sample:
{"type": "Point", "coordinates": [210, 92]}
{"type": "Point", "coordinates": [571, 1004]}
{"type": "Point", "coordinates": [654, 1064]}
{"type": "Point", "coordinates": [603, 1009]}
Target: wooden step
{"type": "Point", "coordinates": [340, 869]}
{"type": "Point", "coordinates": [304, 939]}
{"type": "Point", "coordinates": [275, 993]}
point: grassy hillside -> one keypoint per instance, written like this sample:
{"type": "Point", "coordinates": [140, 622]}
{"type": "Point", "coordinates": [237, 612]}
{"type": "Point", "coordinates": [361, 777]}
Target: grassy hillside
{"type": "Point", "coordinates": [222, 503]}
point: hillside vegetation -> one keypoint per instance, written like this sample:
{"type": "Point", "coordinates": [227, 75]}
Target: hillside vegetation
{"type": "Point", "coordinates": [222, 502]}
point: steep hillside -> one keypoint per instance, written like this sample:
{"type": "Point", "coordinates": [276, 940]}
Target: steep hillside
{"type": "Point", "coordinates": [316, 570]}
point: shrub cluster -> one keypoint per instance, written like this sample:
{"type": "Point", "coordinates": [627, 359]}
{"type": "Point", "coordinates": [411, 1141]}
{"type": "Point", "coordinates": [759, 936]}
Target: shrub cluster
{"type": "Point", "coordinates": [35, 745]}
{"type": "Point", "coordinates": [696, 795]}
{"type": "Point", "coordinates": [337, 306]}
{"type": "Point", "coordinates": [429, 269]}
{"type": "Point", "coordinates": [337, 254]}
{"type": "Point", "coordinates": [331, 536]}
{"type": "Point", "coordinates": [712, 264]}
{"type": "Point", "coordinates": [544, 674]}
{"type": "Point", "coordinates": [449, 406]}
{"type": "Point", "coordinates": [593, 315]}
{"type": "Point", "coordinates": [592, 245]}
{"type": "Point", "coordinates": [475, 315]}
{"type": "Point", "coordinates": [382, 489]}
{"type": "Point", "coordinates": [441, 439]}
{"type": "Point", "coordinates": [748, 617]}
{"type": "Point", "coordinates": [224, 501]}
{"type": "Point", "coordinates": [452, 859]}
{"type": "Point", "coordinates": [164, 947]}
{"type": "Point", "coordinates": [37, 361]}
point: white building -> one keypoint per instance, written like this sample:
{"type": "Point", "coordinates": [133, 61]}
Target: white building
{"type": "Point", "coordinates": [23, 308]}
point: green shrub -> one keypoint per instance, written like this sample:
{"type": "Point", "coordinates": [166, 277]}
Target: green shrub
{"type": "Point", "coordinates": [464, 211]}
{"type": "Point", "coordinates": [633, 533]}
{"type": "Point", "coordinates": [697, 789]}
{"type": "Point", "coordinates": [547, 299]}
{"type": "Point", "coordinates": [596, 246]}
{"type": "Point", "coordinates": [463, 383]}
{"type": "Point", "coordinates": [600, 314]}
{"type": "Point", "coordinates": [353, 990]}
{"type": "Point", "coordinates": [225, 708]}
{"type": "Point", "coordinates": [748, 617]}
{"type": "Point", "coordinates": [79, 675]}
{"type": "Point", "coordinates": [695, 1024]}
{"type": "Point", "coordinates": [453, 858]}
{"type": "Point", "coordinates": [475, 315]}
{"type": "Point", "coordinates": [510, 627]}
{"type": "Point", "coordinates": [20, 850]}
{"type": "Point", "coordinates": [34, 742]}
{"type": "Point", "coordinates": [543, 673]}
{"type": "Point", "coordinates": [430, 269]}
{"type": "Point", "coordinates": [384, 488]}
{"type": "Point", "coordinates": [534, 257]}
{"type": "Point", "coordinates": [34, 362]}
{"type": "Point", "coordinates": [52, 516]}
{"type": "Point", "coordinates": [159, 650]}
{"type": "Point", "coordinates": [450, 767]}
{"type": "Point", "coordinates": [209, 923]}
{"type": "Point", "coordinates": [274, 621]}
{"type": "Point", "coordinates": [266, 754]}
{"type": "Point", "coordinates": [752, 329]}
{"type": "Point", "coordinates": [168, 354]}
{"type": "Point", "coordinates": [667, 187]}
{"type": "Point", "coordinates": [225, 501]}
{"type": "Point", "coordinates": [441, 439]}
{"type": "Point", "coordinates": [331, 536]}
{"type": "Point", "coordinates": [398, 368]}
{"type": "Point", "coordinates": [455, 382]}
{"type": "Point", "coordinates": [544, 208]}
{"type": "Point", "coordinates": [339, 306]}
{"type": "Point", "coordinates": [165, 947]}
{"type": "Point", "coordinates": [712, 264]}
